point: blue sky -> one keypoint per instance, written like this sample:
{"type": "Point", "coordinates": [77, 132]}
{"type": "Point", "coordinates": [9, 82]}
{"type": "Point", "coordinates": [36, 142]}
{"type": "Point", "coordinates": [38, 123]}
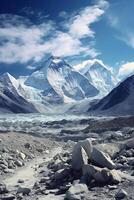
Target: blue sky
{"type": "Point", "coordinates": [31, 30]}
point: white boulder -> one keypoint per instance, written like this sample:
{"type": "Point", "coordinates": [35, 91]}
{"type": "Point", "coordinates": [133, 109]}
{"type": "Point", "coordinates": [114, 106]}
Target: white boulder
{"type": "Point", "coordinates": [81, 154]}
{"type": "Point", "coordinates": [101, 159]}
{"type": "Point", "coordinates": [79, 157]}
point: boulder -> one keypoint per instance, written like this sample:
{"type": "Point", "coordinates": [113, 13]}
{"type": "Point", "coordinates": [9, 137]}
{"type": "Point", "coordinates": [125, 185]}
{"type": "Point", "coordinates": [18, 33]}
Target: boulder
{"type": "Point", "coordinates": [87, 146]}
{"type": "Point", "coordinates": [109, 148]}
{"type": "Point", "coordinates": [79, 157]}
{"type": "Point", "coordinates": [101, 159]}
{"type": "Point", "coordinates": [90, 170]}
{"type": "Point", "coordinates": [101, 175]}
{"type": "Point", "coordinates": [78, 191]}
{"type": "Point", "coordinates": [107, 176]}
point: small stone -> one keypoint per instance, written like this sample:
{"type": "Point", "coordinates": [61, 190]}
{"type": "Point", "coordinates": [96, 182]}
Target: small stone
{"type": "Point", "coordinates": [23, 190]}
{"type": "Point", "coordinates": [18, 163]}
{"type": "Point", "coordinates": [3, 188]}
{"type": "Point", "coordinates": [132, 173]}
{"type": "Point", "coordinates": [20, 181]}
{"type": "Point", "coordinates": [115, 177]}
{"type": "Point", "coordinates": [112, 187]}
{"type": "Point", "coordinates": [8, 197]}
{"type": "Point", "coordinates": [46, 192]}
{"type": "Point", "coordinates": [22, 156]}
{"type": "Point", "coordinates": [10, 171]}
{"type": "Point", "coordinates": [78, 191]}
{"type": "Point", "coordinates": [43, 180]}
{"type": "Point", "coordinates": [121, 194]}
{"type": "Point", "coordinates": [47, 151]}
{"type": "Point", "coordinates": [27, 145]}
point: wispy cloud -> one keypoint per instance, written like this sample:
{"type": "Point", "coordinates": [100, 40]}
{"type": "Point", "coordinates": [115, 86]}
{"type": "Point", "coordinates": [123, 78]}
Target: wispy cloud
{"type": "Point", "coordinates": [22, 41]}
{"type": "Point", "coordinates": [126, 69]}
{"type": "Point", "coordinates": [80, 25]}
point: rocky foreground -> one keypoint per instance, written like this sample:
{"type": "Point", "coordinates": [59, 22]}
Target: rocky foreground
{"type": "Point", "coordinates": [100, 166]}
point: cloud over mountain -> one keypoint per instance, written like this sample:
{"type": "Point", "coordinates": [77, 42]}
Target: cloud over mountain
{"type": "Point", "coordinates": [22, 40]}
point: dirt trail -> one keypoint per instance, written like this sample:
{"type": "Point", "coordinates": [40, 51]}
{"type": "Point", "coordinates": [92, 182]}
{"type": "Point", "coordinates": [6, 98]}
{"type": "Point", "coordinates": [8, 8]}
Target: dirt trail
{"type": "Point", "coordinates": [28, 173]}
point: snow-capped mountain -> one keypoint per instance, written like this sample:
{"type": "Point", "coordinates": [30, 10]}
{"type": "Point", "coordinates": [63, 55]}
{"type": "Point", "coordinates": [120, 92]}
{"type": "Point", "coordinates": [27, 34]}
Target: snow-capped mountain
{"type": "Point", "coordinates": [120, 101]}
{"type": "Point", "coordinates": [11, 99]}
{"type": "Point", "coordinates": [59, 82]}
{"type": "Point", "coordinates": [98, 74]}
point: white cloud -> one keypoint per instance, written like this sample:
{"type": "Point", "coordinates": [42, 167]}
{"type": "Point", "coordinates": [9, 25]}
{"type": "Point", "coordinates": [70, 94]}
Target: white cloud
{"type": "Point", "coordinates": [22, 41]}
{"type": "Point", "coordinates": [79, 26]}
{"type": "Point", "coordinates": [30, 67]}
{"type": "Point", "coordinates": [126, 70]}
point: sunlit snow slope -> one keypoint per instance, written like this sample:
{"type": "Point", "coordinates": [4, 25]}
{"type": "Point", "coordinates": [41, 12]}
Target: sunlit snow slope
{"type": "Point", "coordinates": [98, 74]}
{"type": "Point", "coordinates": [59, 82]}
{"type": "Point", "coordinates": [11, 100]}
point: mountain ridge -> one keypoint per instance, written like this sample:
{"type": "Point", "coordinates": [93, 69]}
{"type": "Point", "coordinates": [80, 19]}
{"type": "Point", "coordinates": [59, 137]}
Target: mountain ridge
{"type": "Point", "coordinates": [119, 101]}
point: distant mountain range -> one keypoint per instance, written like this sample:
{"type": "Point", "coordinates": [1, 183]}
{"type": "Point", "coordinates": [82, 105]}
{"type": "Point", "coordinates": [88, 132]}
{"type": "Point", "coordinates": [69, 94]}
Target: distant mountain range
{"type": "Point", "coordinates": [56, 85]}
{"type": "Point", "coordinates": [10, 98]}
{"type": "Point", "coordinates": [98, 74]}
{"type": "Point", "coordinates": [120, 101]}
{"type": "Point", "coordinates": [60, 83]}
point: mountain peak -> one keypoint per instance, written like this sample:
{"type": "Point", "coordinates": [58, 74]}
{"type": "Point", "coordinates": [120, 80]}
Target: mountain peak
{"type": "Point", "coordinates": [7, 79]}
{"type": "Point", "coordinates": [6, 74]}
{"type": "Point", "coordinates": [57, 79]}
{"type": "Point", "coordinates": [119, 101]}
{"type": "Point", "coordinates": [56, 60]}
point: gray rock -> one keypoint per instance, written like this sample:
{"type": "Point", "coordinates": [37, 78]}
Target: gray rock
{"type": "Point", "coordinates": [24, 190]}
{"type": "Point", "coordinates": [22, 156]}
{"type": "Point", "coordinates": [20, 181]}
{"type": "Point", "coordinates": [90, 170]}
{"type": "Point", "coordinates": [8, 197]}
{"type": "Point", "coordinates": [101, 175]}
{"type": "Point", "coordinates": [3, 188]}
{"type": "Point", "coordinates": [61, 174]}
{"type": "Point", "coordinates": [10, 171]}
{"type": "Point", "coordinates": [2, 166]}
{"type": "Point", "coordinates": [121, 194]}
{"type": "Point", "coordinates": [79, 157]}
{"type": "Point", "coordinates": [101, 159]}
{"type": "Point", "coordinates": [77, 192]}
{"type": "Point", "coordinates": [18, 163]}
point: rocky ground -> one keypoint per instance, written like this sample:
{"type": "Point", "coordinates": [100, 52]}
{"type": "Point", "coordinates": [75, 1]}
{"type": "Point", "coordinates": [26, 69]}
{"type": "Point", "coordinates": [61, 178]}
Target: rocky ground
{"type": "Point", "coordinates": [82, 159]}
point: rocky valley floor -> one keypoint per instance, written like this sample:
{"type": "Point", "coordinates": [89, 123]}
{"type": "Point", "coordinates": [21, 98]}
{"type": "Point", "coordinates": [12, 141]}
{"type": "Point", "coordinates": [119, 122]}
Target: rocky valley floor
{"type": "Point", "coordinates": [82, 158]}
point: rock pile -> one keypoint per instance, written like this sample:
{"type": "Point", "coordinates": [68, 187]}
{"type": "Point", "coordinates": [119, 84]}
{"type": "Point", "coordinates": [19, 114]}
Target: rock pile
{"type": "Point", "coordinates": [10, 160]}
{"type": "Point", "coordinates": [72, 174]}
{"type": "Point", "coordinates": [93, 164]}
{"type": "Point", "coordinates": [75, 174]}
